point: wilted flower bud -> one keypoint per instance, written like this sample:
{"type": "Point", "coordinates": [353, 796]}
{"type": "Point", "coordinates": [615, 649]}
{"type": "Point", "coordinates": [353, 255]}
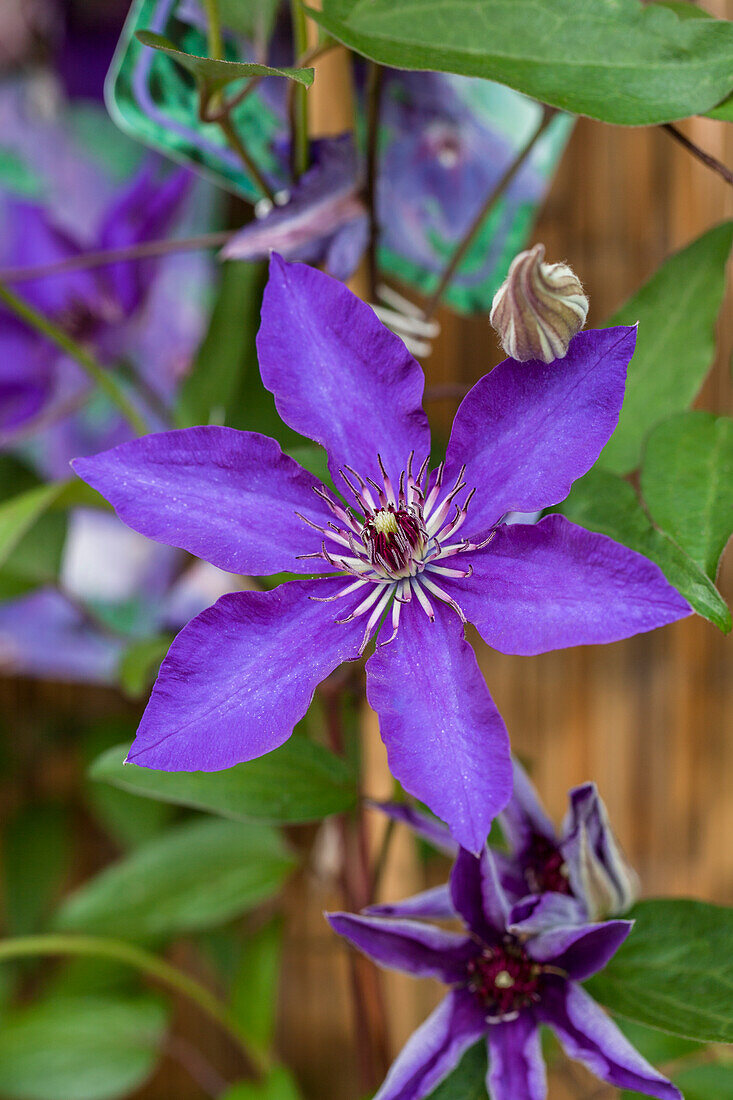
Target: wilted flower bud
{"type": "Point", "coordinates": [598, 870]}
{"type": "Point", "coordinates": [538, 308]}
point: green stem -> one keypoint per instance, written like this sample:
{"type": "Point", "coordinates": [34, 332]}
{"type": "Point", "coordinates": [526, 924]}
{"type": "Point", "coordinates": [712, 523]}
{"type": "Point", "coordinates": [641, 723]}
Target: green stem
{"type": "Point", "coordinates": [299, 120]}
{"type": "Point", "coordinates": [492, 198]}
{"type": "Point", "coordinates": [101, 377]}
{"type": "Point", "coordinates": [213, 30]}
{"type": "Point", "coordinates": [151, 965]}
{"type": "Point", "coordinates": [237, 145]}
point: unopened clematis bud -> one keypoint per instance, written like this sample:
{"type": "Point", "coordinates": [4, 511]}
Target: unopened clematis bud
{"type": "Point", "coordinates": [538, 308]}
{"type": "Point", "coordinates": [598, 870]}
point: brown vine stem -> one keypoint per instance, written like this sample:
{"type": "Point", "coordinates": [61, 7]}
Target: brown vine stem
{"type": "Point", "coordinates": [372, 1039]}
{"type": "Point", "coordinates": [705, 158]}
{"type": "Point", "coordinates": [493, 197]}
{"type": "Point", "coordinates": [143, 251]}
{"type": "Point", "coordinates": [374, 100]}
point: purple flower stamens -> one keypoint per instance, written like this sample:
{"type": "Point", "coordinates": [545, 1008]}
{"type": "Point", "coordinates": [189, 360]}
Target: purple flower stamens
{"type": "Point", "coordinates": [396, 541]}
{"type": "Point", "coordinates": [546, 869]}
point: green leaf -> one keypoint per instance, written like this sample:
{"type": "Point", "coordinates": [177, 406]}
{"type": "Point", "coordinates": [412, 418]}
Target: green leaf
{"type": "Point", "coordinates": [468, 1079]}
{"type": "Point", "coordinates": [724, 111]}
{"type": "Point", "coordinates": [676, 310]}
{"type": "Point", "coordinates": [228, 349]}
{"type": "Point", "coordinates": [657, 1046]}
{"type": "Point", "coordinates": [212, 75]}
{"type": "Point", "coordinates": [36, 856]}
{"type": "Point", "coordinates": [194, 876]}
{"type": "Point", "coordinates": [140, 662]}
{"type": "Point", "coordinates": [19, 513]}
{"type": "Point", "coordinates": [127, 820]}
{"type": "Point", "coordinates": [253, 996]}
{"type": "Point", "coordinates": [89, 1048]}
{"type": "Point", "coordinates": [687, 484]}
{"type": "Point", "coordinates": [615, 60]}
{"type": "Point", "coordinates": [252, 19]}
{"type": "Point", "coordinates": [713, 1082]}
{"type": "Point", "coordinates": [279, 1085]}
{"type": "Point", "coordinates": [675, 971]}
{"type": "Point", "coordinates": [300, 781]}
{"type": "Point", "coordinates": [603, 502]}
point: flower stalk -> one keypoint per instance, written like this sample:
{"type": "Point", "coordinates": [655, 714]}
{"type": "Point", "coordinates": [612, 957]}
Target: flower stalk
{"type": "Point", "coordinates": [159, 970]}
{"type": "Point", "coordinates": [299, 113]}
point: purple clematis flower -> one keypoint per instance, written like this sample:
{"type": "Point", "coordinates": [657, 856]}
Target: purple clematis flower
{"type": "Point", "coordinates": [584, 862]}
{"type": "Point", "coordinates": [238, 678]}
{"type": "Point", "coordinates": [516, 968]}
{"type": "Point", "coordinates": [97, 307]}
{"type": "Point", "coordinates": [323, 221]}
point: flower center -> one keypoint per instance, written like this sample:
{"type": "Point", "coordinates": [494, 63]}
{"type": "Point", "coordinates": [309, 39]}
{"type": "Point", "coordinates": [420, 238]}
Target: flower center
{"type": "Point", "coordinates": [505, 980]}
{"type": "Point", "coordinates": [394, 538]}
{"type": "Point", "coordinates": [545, 868]}
{"type": "Point", "coordinates": [397, 544]}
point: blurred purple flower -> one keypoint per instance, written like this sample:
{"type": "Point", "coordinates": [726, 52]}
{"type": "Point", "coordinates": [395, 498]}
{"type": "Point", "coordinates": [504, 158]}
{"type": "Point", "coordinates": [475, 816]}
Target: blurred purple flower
{"type": "Point", "coordinates": [323, 221]}
{"type": "Point", "coordinates": [115, 587]}
{"type": "Point", "coordinates": [94, 306]}
{"type": "Point", "coordinates": [583, 862]}
{"type": "Point", "coordinates": [439, 163]}
{"type": "Point", "coordinates": [515, 969]}
{"type": "Point", "coordinates": [239, 677]}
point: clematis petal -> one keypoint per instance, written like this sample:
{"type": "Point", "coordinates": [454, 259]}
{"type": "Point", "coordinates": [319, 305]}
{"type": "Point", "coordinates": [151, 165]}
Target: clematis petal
{"type": "Point", "coordinates": [338, 375]}
{"type": "Point", "coordinates": [429, 828]}
{"type": "Point", "coordinates": [27, 376]}
{"type": "Point", "coordinates": [240, 675]}
{"type": "Point", "coordinates": [538, 913]}
{"type": "Point", "coordinates": [597, 868]}
{"type": "Point", "coordinates": [591, 1037]}
{"type": "Point", "coordinates": [226, 496]}
{"type": "Point", "coordinates": [552, 585]}
{"type": "Point", "coordinates": [44, 636]}
{"type": "Point", "coordinates": [435, 903]}
{"type": "Point", "coordinates": [323, 216]}
{"type": "Point", "coordinates": [526, 431]}
{"type": "Point", "coordinates": [143, 211]}
{"type": "Point", "coordinates": [434, 1049]}
{"type": "Point", "coordinates": [416, 948]}
{"type": "Point", "coordinates": [516, 1066]}
{"type": "Point", "coordinates": [446, 741]}
{"type": "Point", "coordinates": [478, 895]}
{"type": "Point", "coordinates": [578, 949]}
{"type": "Point", "coordinates": [523, 817]}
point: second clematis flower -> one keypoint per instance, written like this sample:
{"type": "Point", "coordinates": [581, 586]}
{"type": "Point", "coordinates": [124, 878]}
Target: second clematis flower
{"type": "Point", "coordinates": [513, 969]}
{"type": "Point", "coordinates": [389, 553]}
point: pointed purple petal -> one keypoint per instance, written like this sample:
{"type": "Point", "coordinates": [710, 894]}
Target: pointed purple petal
{"type": "Point", "coordinates": [554, 585]}
{"type": "Point", "coordinates": [537, 913]}
{"type": "Point", "coordinates": [478, 895]}
{"type": "Point", "coordinates": [591, 1037]}
{"type": "Point", "coordinates": [142, 211]}
{"type": "Point", "coordinates": [239, 676]}
{"type": "Point", "coordinates": [434, 1049]}
{"type": "Point", "coordinates": [416, 948]}
{"type": "Point", "coordinates": [516, 1066]}
{"type": "Point", "coordinates": [597, 868]}
{"type": "Point", "coordinates": [523, 816]}
{"type": "Point", "coordinates": [526, 431]}
{"type": "Point", "coordinates": [338, 375]}
{"type": "Point", "coordinates": [324, 210]}
{"type": "Point", "coordinates": [429, 828]}
{"type": "Point", "coordinates": [578, 949]}
{"type": "Point", "coordinates": [446, 741]}
{"type": "Point", "coordinates": [433, 904]}
{"type": "Point", "coordinates": [226, 496]}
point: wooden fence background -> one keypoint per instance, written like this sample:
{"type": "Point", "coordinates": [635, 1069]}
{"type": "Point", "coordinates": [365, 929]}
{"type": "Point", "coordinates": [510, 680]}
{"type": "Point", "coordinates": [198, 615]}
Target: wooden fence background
{"type": "Point", "coordinates": [649, 719]}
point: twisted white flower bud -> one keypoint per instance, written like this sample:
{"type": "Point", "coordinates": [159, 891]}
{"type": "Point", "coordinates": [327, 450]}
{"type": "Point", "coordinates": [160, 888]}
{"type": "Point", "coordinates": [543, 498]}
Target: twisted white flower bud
{"type": "Point", "coordinates": [538, 308]}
